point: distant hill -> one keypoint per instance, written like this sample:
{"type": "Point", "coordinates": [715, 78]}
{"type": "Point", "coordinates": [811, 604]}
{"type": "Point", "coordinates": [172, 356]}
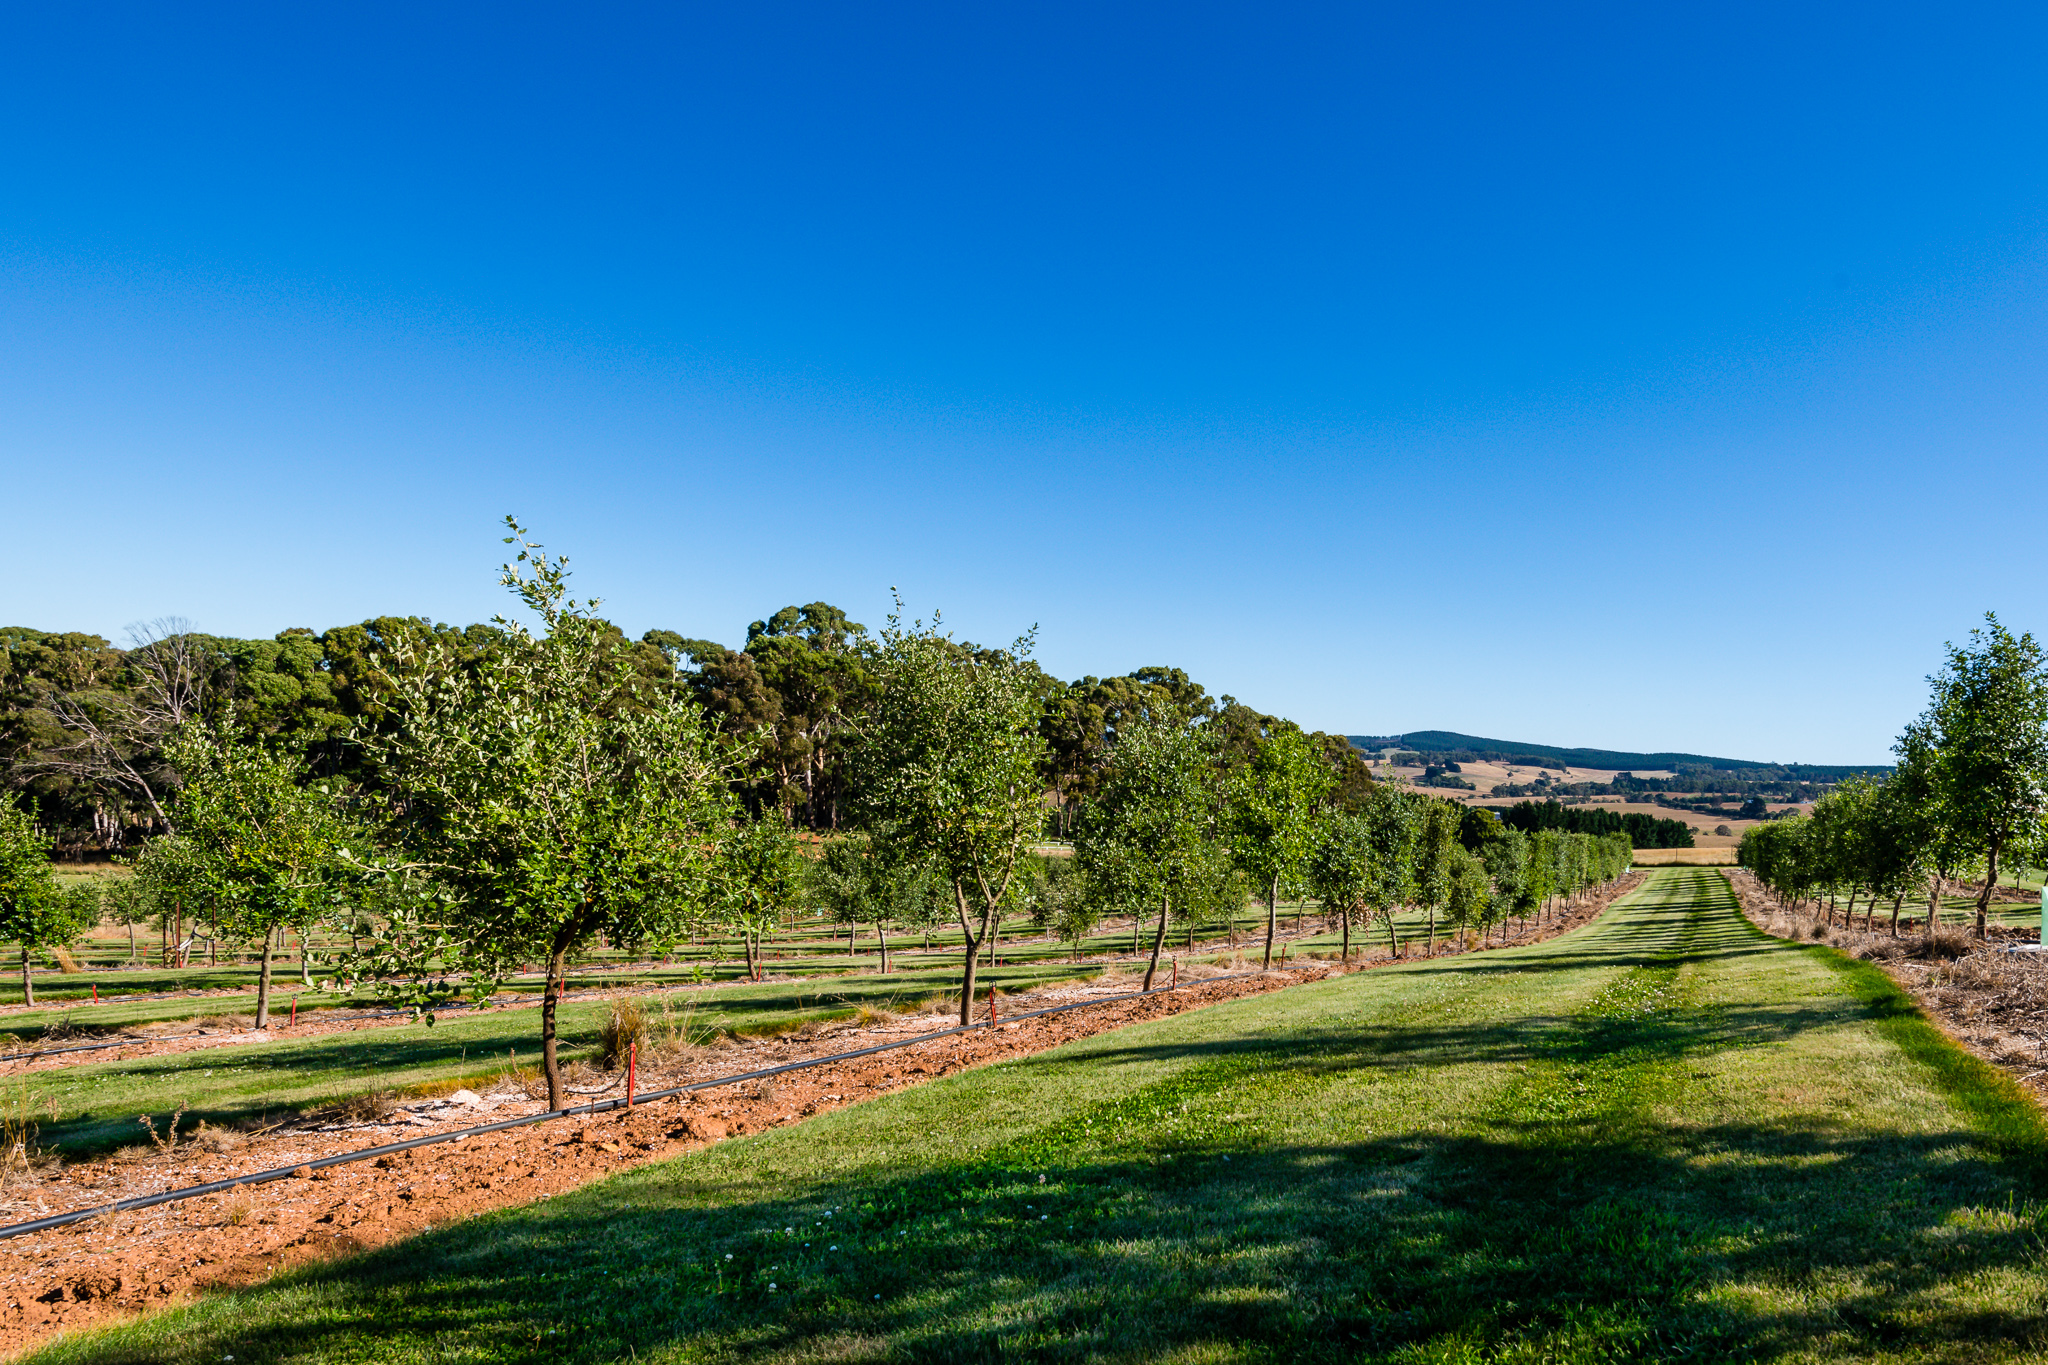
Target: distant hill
{"type": "Point", "coordinates": [1450, 743]}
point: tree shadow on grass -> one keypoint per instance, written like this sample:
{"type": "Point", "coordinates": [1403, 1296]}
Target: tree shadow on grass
{"type": "Point", "coordinates": [1517, 1245]}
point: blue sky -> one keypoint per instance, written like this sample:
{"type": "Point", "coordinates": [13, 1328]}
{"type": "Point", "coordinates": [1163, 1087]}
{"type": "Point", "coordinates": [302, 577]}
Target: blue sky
{"type": "Point", "coordinates": [1643, 377]}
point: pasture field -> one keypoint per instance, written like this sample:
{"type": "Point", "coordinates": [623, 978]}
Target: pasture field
{"type": "Point", "coordinates": [1665, 1136]}
{"type": "Point", "coordinates": [1685, 857]}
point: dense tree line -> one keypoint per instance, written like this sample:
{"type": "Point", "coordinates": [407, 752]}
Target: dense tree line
{"type": "Point", "coordinates": [1967, 798]}
{"type": "Point", "coordinates": [1643, 830]}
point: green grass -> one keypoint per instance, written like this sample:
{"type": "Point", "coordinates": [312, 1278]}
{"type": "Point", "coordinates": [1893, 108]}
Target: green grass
{"type": "Point", "coordinates": [1665, 1137]}
{"type": "Point", "coordinates": [90, 1107]}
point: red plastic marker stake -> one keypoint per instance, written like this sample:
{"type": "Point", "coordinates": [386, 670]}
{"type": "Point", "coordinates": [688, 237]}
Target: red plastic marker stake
{"type": "Point", "coordinates": [1174, 985]}
{"type": "Point", "coordinates": [95, 992]}
{"type": "Point", "coordinates": [632, 1066]}
{"type": "Point", "coordinates": [295, 1012]}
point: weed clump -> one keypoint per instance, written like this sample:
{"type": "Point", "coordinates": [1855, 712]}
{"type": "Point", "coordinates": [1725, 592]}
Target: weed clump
{"type": "Point", "coordinates": [624, 1029]}
{"type": "Point", "coordinates": [374, 1107]}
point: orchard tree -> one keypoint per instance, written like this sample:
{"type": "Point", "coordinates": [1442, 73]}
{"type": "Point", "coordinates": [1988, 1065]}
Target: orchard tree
{"type": "Point", "coordinates": [758, 874]}
{"type": "Point", "coordinates": [262, 847]}
{"type": "Point", "coordinates": [1505, 856]}
{"type": "Point", "coordinates": [550, 795]}
{"type": "Point", "coordinates": [1988, 718]}
{"type": "Point", "coordinates": [947, 768]}
{"type": "Point", "coordinates": [1436, 840]}
{"type": "Point", "coordinates": [1148, 829]}
{"type": "Point", "coordinates": [34, 912]}
{"type": "Point", "coordinates": [1469, 895]}
{"type": "Point", "coordinates": [1391, 821]}
{"type": "Point", "coordinates": [1275, 799]}
{"type": "Point", "coordinates": [1339, 872]}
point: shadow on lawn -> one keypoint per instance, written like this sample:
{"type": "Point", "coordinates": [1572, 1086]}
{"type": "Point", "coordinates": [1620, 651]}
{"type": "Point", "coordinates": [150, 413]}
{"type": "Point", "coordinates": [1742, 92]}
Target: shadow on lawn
{"type": "Point", "coordinates": [1421, 1246]}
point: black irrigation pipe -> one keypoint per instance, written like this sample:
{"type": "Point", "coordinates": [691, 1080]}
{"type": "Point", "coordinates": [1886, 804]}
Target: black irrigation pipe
{"type": "Point", "coordinates": [145, 1201]}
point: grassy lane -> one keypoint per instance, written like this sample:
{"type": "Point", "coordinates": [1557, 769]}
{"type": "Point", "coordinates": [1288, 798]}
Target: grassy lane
{"type": "Point", "coordinates": [1665, 1137]}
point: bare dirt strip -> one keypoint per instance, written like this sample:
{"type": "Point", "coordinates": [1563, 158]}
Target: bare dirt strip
{"type": "Point", "coordinates": [110, 1267]}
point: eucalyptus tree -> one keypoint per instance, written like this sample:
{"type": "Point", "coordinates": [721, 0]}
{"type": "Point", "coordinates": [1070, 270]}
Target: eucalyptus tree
{"type": "Point", "coordinates": [33, 911]}
{"type": "Point", "coordinates": [1149, 827]}
{"type": "Point", "coordinates": [947, 767]}
{"type": "Point", "coordinates": [1988, 720]}
{"type": "Point", "coordinates": [263, 847]}
{"type": "Point", "coordinates": [550, 795]}
{"type": "Point", "coordinates": [1274, 800]}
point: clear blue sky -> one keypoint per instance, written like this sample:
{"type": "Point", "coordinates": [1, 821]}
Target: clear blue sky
{"type": "Point", "coordinates": [1634, 376]}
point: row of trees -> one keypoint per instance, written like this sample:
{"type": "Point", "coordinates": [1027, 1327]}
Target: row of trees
{"type": "Point", "coordinates": [506, 796]}
{"type": "Point", "coordinates": [1967, 798]}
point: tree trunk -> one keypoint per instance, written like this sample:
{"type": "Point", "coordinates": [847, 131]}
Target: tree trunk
{"type": "Point", "coordinates": [1432, 931]}
{"type": "Point", "coordinates": [550, 996]}
{"type": "Point", "coordinates": [28, 982]}
{"type": "Point", "coordinates": [1849, 915]}
{"type": "Point", "coordinates": [263, 985]}
{"type": "Point", "coordinates": [1990, 880]}
{"type": "Point", "coordinates": [1393, 943]}
{"type": "Point", "coordinates": [131, 943]}
{"type": "Point", "coordinates": [882, 938]}
{"type": "Point", "coordinates": [1897, 901]}
{"type": "Point", "coordinates": [1158, 940]}
{"type": "Point", "coordinates": [1272, 919]}
{"type": "Point", "coordinates": [1933, 901]}
{"type": "Point", "coordinates": [305, 963]}
{"type": "Point", "coordinates": [971, 956]}
{"type": "Point", "coordinates": [1347, 936]}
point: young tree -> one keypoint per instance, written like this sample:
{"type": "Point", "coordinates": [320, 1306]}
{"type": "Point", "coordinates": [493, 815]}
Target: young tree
{"type": "Point", "coordinates": [1506, 860]}
{"type": "Point", "coordinates": [1436, 838]}
{"type": "Point", "coordinates": [1339, 871]}
{"type": "Point", "coordinates": [552, 797]}
{"type": "Point", "coordinates": [851, 881]}
{"type": "Point", "coordinates": [1988, 718]}
{"type": "Point", "coordinates": [261, 846]}
{"type": "Point", "coordinates": [33, 911]}
{"type": "Point", "coordinates": [1274, 801]}
{"type": "Point", "coordinates": [758, 874]}
{"type": "Point", "coordinates": [125, 901]}
{"type": "Point", "coordinates": [947, 768]}
{"type": "Point", "coordinates": [1469, 895]}
{"type": "Point", "coordinates": [1148, 828]}
{"type": "Point", "coordinates": [1391, 820]}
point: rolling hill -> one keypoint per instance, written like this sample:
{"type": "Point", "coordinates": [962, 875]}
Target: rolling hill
{"type": "Point", "coordinates": [1452, 744]}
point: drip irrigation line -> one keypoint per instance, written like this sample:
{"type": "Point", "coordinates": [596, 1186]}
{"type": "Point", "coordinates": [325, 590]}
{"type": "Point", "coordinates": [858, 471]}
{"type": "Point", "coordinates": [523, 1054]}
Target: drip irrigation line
{"type": "Point", "coordinates": [145, 1201]}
